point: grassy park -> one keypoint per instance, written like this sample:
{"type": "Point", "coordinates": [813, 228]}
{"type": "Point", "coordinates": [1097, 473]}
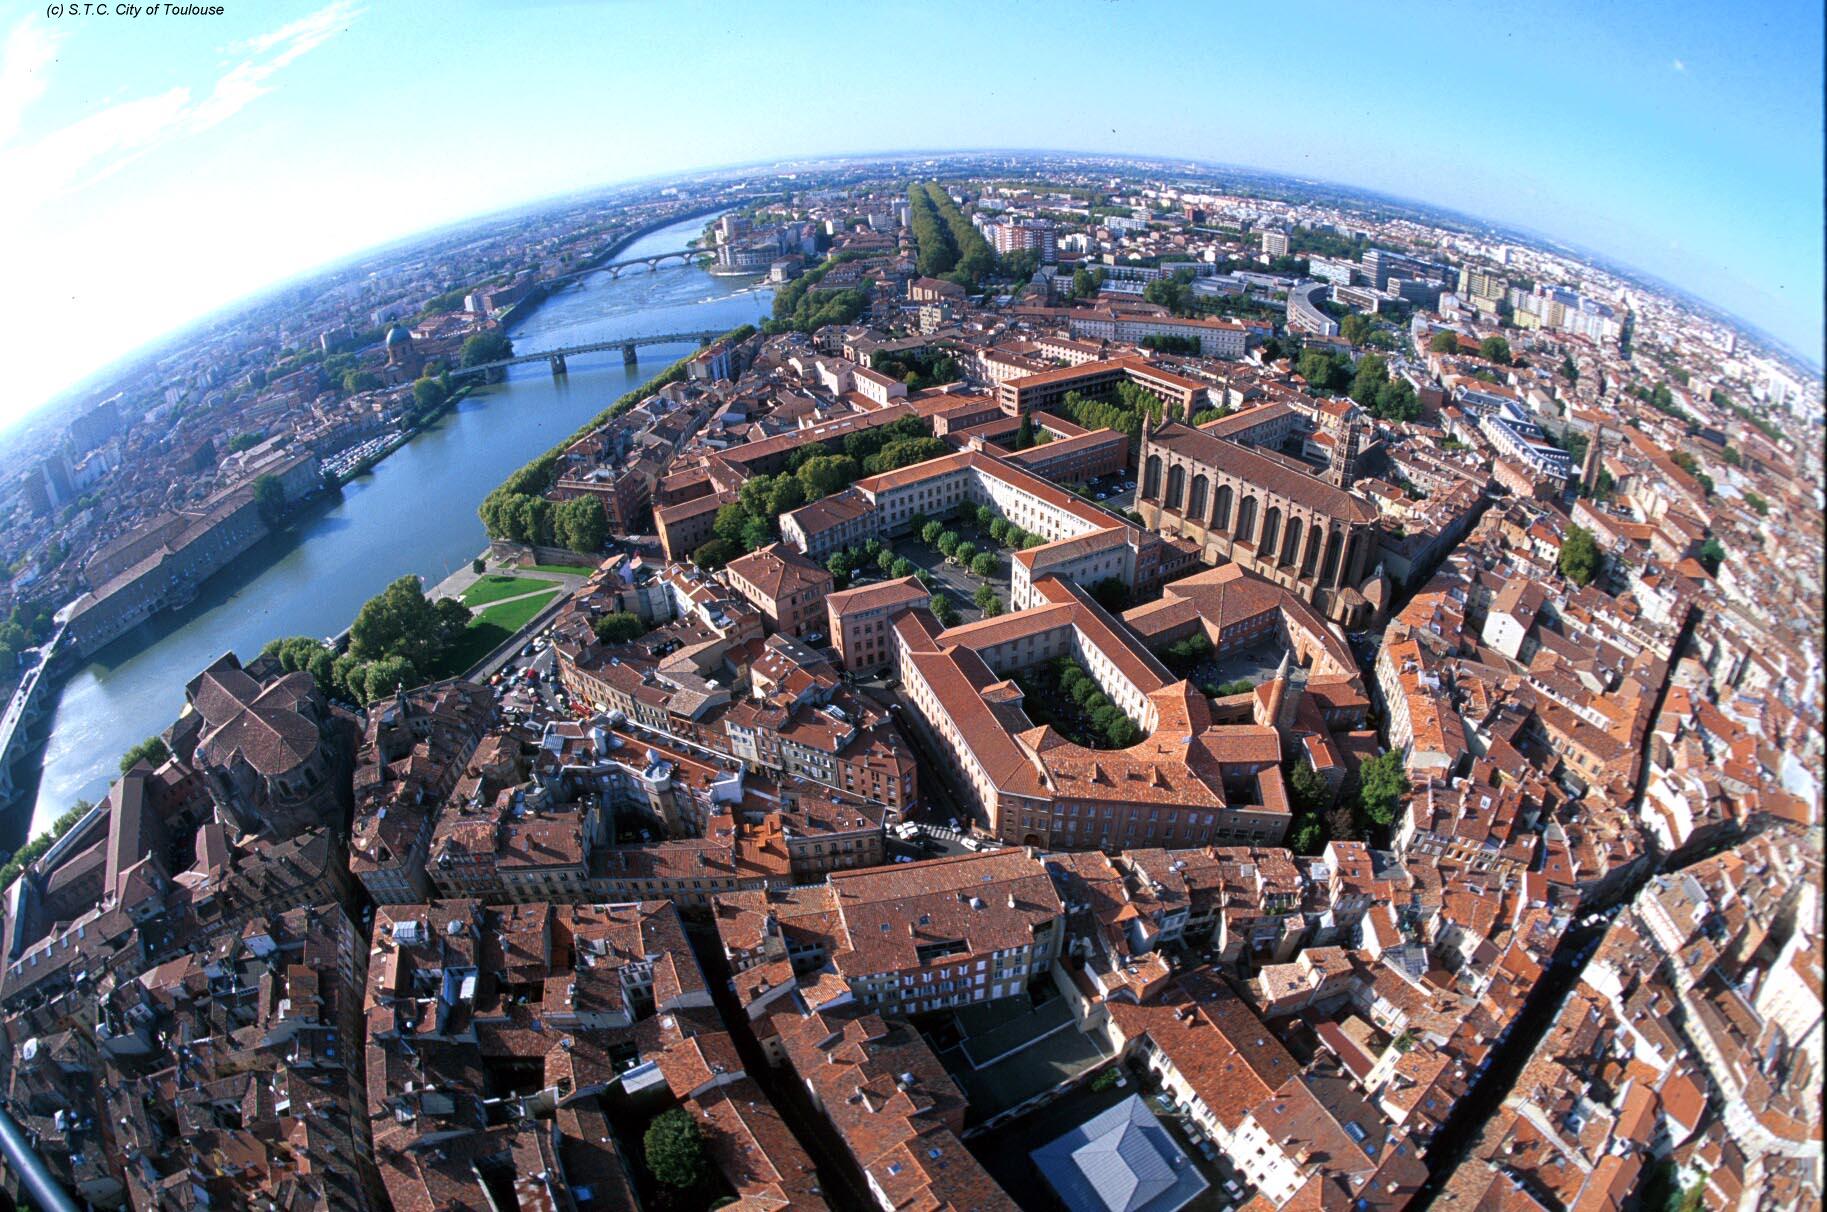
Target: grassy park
{"type": "Point", "coordinates": [496, 586]}
{"type": "Point", "coordinates": [489, 628]}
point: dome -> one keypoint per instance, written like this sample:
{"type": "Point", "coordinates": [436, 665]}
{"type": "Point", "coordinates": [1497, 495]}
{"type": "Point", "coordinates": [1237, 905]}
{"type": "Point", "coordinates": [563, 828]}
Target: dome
{"type": "Point", "coordinates": [397, 335]}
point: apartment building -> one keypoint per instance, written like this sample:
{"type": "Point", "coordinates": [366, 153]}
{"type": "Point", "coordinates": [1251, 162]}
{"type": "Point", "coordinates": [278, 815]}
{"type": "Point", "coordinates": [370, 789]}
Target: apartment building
{"type": "Point", "coordinates": [788, 589]}
{"type": "Point", "coordinates": [1188, 781]}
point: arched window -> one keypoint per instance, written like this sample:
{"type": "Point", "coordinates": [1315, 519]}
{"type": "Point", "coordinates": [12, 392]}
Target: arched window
{"type": "Point", "coordinates": [1311, 560]}
{"type": "Point", "coordinates": [1290, 543]}
{"type": "Point", "coordinates": [1151, 479]}
{"type": "Point", "coordinates": [1195, 504]}
{"type": "Point", "coordinates": [1354, 553]}
{"type": "Point", "coordinates": [1221, 508]}
{"type": "Point", "coordinates": [1271, 530]}
{"type": "Point", "coordinates": [1335, 545]}
{"type": "Point", "coordinates": [1246, 520]}
{"type": "Point", "coordinates": [1176, 486]}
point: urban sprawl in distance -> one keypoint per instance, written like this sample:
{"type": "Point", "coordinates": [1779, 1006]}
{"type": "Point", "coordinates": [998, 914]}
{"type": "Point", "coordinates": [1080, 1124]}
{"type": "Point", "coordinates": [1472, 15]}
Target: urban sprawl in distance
{"type": "Point", "coordinates": [1134, 687]}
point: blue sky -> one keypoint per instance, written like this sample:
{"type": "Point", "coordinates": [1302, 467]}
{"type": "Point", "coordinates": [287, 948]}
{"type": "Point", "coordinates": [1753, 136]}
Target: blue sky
{"type": "Point", "coordinates": [159, 167]}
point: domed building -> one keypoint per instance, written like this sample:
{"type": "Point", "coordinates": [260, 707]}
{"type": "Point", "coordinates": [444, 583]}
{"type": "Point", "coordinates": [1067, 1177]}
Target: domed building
{"type": "Point", "coordinates": [404, 363]}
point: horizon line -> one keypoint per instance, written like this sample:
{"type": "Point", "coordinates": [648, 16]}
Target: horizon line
{"type": "Point", "coordinates": [1815, 363]}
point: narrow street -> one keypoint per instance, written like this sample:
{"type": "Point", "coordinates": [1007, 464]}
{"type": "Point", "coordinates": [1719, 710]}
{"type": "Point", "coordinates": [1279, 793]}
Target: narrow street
{"type": "Point", "coordinates": [1468, 1118]}
{"type": "Point", "coordinates": [838, 1175]}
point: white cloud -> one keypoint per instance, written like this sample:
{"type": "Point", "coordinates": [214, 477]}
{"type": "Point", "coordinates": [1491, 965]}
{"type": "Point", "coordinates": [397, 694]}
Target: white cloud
{"type": "Point", "coordinates": [25, 67]}
{"type": "Point", "coordinates": [1679, 65]}
{"type": "Point", "coordinates": [99, 145]}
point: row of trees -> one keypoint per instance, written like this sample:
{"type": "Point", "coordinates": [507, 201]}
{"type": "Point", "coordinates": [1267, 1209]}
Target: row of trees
{"type": "Point", "coordinates": [799, 308]}
{"type": "Point", "coordinates": [974, 259]}
{"type": "Point", "coordinates": [937, 254]}
{"type": "Point", "coordinates": [1064, 695]}
{"type": "Point", "coordinates": [577, 524]}
{"type": "Point", "coordinates": [847, 563]}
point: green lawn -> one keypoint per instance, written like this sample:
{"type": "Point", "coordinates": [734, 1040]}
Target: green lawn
{"type": "Point", "coordinates": [489, 629]}
{"type": "Point", "coordinates": [495, 586]}
{"type": "Point", "coordinates": [575, 570]}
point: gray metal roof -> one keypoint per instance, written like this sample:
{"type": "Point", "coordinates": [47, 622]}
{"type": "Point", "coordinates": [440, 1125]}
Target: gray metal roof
{"type": "Point", "coordinates": [1121, 1160]}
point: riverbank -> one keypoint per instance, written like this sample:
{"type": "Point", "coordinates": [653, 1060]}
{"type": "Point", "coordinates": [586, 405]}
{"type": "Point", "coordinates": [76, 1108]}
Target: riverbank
{"type": "Point", "coordinates": [412, 512]}
{"type": "Point", "coordinates": [394, 441]}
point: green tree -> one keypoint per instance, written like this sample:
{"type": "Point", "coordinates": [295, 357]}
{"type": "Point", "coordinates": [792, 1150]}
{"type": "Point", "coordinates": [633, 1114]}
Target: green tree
{"type": "Point", "coordinates": [942, 609]}
{"type": "Point", "coordinates": [903, 567]}
{"type": "Point", "coordinates": [839, 567]}
{"type": "Point", "coordinates": [1309, 792]}
{"type": "Point", "coordinates": [485, 347]}
{"type": "Point", "coordinates": [1712, 554]}
{"type": "Point", "coordinates": [1367, 385]}
{"type": "Point", "coordinates": [619, 627]}
{"type": "Point", "coordinates": [1444, 341]}
{"type": "Point", "coordinates": [674, 1149]}
{"type": "Point", "coordinates": [886, 560]}
{"type": "Point", "coordinates": [152, 751]}
{"type": "Point", "coordinates": [756, 533]}
{"type": "Point", "coordinates": [964, 553]}
{"type": "Point", "coordinates": [824, 474]}
{"type": "Point", "coordinates": [715, 553]}
{"type": "Point", "coordinates": [1495, 349]}
{"type": "Point", "coordinates": [1306, 835]}
{"type": "Point", "coordinates": [728, 523]}
{"type": "Point", "coordinates": [1758, 505]}
{"type": "Point", "coordinates": [999, 530]}
{"type": "Point", "coordinates": [579, 524]}
{"type": "Point", "coordinates": [986, 517]}
{"type": "Point", "coordinates": [1382, 784]}
{"type": "Point", "coordinates": [269, 499]}
{"type": "Point", "coordinates": [1323, 371]}
{"type": "Point", "coordinates": [1580, 559]}
{"type": "Point", "coordinates": [428, 396]}
{"type": "Point", "coordinates": [1354, 328]}
{"type": "Point", "coordinates": [1570, 371]}
{"type": "Point", "coordinates": [478, 565]}
{"type": "Point", "coordinates": [386, 676]}
{"type": "Point", "coordinates": [905, 452]}
{"type": "Point", "coordinates": [948, 543]}
{"type": "Point", "coordinates": [398, 621]}
{"type": "Point", "coordinates": [983, 564]}
{"type": "Point", "coordinates": [984, 596]}
{"type": "Point", "coordinates": [929, 533]}
{"type": "Point", "coordinates": [359, 380]}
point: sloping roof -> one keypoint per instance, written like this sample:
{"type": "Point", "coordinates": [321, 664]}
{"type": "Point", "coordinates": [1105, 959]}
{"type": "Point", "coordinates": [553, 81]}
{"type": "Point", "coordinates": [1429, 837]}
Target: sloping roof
{"type": "Point", "coordinates": [1120, 1160]}
{"type": "Point", "coordinates": [1258, 469]}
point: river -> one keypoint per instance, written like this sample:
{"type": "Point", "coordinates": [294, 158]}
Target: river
{"type": "Point", "coordinates": [414, 512]}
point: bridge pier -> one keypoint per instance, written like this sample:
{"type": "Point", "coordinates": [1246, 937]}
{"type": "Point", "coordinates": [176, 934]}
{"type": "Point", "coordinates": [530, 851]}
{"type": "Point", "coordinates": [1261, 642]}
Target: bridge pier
{"type": "Point", "coordinates": [629, 355]}
{"type": "Point", "coordinates": [558, 365]}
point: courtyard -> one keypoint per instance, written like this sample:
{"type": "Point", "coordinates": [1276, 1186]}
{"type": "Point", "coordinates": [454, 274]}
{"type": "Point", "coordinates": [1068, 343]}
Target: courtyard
{"type": "Point", "coordinates": [1003, 1053]}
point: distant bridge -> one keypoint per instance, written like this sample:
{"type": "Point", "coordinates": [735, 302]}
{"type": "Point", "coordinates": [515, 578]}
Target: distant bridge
{"type": "Point", "coordinates": [19, 731]}
{"type": "Point", "coordinates": [685, 256]}
{"type": "Point", "coordinates": [628, 346]}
